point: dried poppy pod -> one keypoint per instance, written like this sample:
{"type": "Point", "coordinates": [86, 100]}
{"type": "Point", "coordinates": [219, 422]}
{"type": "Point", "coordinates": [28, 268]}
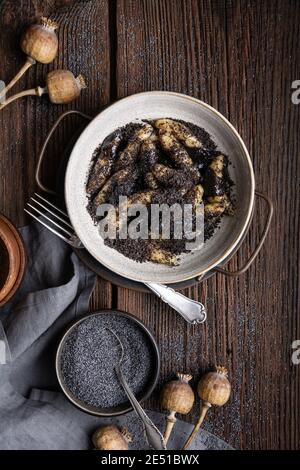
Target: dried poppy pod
{"type": "Point", "coordinates": [111, 438]}
{"type": "Point", "coordinates": [62, 87]}
{"type": "Point", "coordinates": [213, 389]}
{"type": "Point", "coordinates": [177, 396]}
{"type": "Point", "coordinates": [40, 43]}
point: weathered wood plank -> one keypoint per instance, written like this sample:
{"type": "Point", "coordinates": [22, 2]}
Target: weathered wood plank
{"type": "Point", "coordinates": [84, 47]}
{"type": "Point", "coordinates": [239, 57]}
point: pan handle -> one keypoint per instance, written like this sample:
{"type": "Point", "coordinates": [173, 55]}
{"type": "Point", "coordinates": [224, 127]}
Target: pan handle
{"type": "Point", "coordinates": [260, 243]}
{"type": "Point", "coordinates": [42, 152]}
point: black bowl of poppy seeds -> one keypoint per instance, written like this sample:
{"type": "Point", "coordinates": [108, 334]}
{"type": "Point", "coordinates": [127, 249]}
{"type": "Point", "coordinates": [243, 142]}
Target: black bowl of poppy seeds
{"type": "Point", "coordinates": [88, 352]}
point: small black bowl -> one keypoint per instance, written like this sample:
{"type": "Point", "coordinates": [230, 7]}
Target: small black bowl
{"type": "Point", "coordinates": [125, 407]}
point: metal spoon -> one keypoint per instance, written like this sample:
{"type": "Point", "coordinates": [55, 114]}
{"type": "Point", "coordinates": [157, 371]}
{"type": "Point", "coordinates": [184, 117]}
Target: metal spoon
{"type": "Point", "coordinates": [153, 435]}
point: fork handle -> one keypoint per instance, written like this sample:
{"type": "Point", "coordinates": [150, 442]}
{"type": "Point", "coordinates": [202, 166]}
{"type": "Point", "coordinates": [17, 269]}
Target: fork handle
{"type": "Point", "coordinates": [191, 310]}
{"type": "Point", "coordinates": [43, 149]}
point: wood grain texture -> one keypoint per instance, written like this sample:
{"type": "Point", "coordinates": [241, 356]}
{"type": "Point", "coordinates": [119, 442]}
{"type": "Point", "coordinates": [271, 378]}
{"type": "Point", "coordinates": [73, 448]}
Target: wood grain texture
{"type": "Point", "coordinates": [241, 57]}
{"type": "Point", "coordinates": [84, 47]}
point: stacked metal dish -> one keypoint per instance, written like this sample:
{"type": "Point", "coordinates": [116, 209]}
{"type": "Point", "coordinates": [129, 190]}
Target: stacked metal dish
{"type": "Point", "coordinates": [222, 245]}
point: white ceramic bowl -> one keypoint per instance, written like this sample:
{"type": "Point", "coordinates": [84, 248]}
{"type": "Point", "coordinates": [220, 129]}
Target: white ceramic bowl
{"type": "Point", "coordinates": [153, 105]}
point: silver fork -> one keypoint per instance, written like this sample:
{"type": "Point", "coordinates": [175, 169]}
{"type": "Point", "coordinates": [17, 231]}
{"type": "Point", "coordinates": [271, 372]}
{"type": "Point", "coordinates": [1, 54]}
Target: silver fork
{"type": "Point", "coordinates": [53, 218]}
{"type": "Point", "coordinates": [50, 216]}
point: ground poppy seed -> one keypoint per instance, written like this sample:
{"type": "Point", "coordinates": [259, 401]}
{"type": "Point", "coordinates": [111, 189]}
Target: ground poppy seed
{"type": "Point", "coordinates": [90, 353]}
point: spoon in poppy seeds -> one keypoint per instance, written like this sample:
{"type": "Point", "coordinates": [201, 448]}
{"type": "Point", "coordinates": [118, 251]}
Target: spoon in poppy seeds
{"type": "Point", "coordinates": [153, 435]}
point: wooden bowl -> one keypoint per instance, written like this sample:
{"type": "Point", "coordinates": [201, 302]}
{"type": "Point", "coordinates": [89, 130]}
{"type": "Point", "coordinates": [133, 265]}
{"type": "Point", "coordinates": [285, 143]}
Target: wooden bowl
{"type": "Point", "coordinates": [12, 260]}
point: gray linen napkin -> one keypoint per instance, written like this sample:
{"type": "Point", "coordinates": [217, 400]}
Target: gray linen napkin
{"type": "Point", "coordinates": [33, 413]}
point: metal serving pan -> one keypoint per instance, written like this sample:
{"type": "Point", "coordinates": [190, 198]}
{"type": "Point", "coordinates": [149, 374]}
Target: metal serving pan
{"type": "Point", "coordinates": [150, 106]}
{"type": "Point", "coordinates": [112, 265]}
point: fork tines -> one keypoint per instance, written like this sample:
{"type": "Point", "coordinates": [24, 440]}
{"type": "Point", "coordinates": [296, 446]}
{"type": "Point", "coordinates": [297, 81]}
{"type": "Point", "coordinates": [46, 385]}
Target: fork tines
{"type": "Point", "coordinates": [50, 216]}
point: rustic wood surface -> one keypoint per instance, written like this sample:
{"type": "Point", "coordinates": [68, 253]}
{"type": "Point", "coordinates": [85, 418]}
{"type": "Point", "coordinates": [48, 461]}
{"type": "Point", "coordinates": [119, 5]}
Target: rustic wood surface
{"type": "Point", "coordinates": [241, 56]}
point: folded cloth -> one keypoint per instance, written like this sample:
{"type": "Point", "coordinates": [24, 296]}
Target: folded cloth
{"type": "Point", "coordinates": [55, 290]}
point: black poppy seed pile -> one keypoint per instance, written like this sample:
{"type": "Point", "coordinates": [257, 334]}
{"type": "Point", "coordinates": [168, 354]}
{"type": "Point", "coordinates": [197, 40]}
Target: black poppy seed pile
{"type": "Point", "coordinates": [90, 353]}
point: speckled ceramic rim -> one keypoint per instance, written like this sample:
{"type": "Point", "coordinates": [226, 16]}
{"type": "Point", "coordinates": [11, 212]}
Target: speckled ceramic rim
{"type": "Point", "coordinates": [109, 412]}
{"type": "Point", "coordinates": [244, 226]}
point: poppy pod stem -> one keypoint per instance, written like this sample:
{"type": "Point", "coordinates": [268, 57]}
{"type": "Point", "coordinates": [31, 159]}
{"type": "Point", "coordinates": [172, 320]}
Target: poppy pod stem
{"type": "Point", "coordinates": [38, 91]}
{"type": "Point", "coordinates": [204, 409]}
{"type": "Point", "coordinates": [29, 62]}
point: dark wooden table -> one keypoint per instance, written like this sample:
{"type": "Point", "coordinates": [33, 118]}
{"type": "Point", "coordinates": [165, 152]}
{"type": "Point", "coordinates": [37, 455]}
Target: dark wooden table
{"type": "Point", "coordinates": [240, 56]}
